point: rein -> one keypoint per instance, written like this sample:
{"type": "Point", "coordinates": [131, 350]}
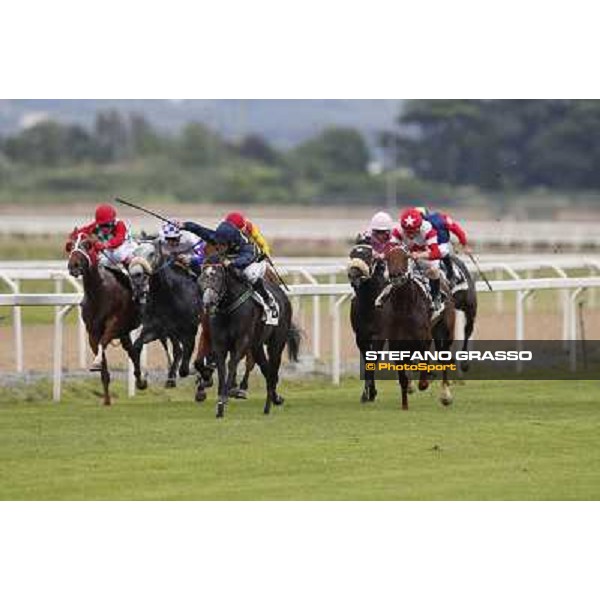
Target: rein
{"type": "Point", "coordinates": [237, 302]}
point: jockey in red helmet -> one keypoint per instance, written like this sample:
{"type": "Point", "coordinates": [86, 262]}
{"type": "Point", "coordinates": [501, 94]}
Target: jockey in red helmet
{"type": "Point", "coordinates": [113, 244]}
{"type": "Point", "coordinates": [421, 238]}
{"type": "Point", "coordinates": [250, 230]}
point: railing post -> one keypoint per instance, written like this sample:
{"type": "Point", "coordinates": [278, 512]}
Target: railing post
{"type": "Point", "coordinates": [58, 347]}
{"type": "Point", "coordinates": [520, 323]}
{"type": "Point", "coordinates": [573, 335]}
{"type": "Point", "coordinates": [337, 342]}
{"type": "Point", "coordinates": [18, 332]}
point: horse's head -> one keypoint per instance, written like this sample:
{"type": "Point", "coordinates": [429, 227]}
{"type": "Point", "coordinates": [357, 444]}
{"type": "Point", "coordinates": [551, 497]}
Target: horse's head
{"type": "Point", "coordinates": [213, 283]}
{"type": "Point", "coordinates": [360, 265]}
{"type": "Point", "coordinates": [82, 255]}
{"type": "Point", "coordinates": [140, 269]}
{"type": "Point", "coordinates": [398, 263]}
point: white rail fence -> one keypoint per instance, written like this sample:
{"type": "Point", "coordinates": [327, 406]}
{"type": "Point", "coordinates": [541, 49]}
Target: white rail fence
{"type": "Point", "coordinates": [338, 293]}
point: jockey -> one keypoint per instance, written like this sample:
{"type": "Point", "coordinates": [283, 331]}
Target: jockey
{"type": "Point", "coordinates": [444, 226]}
{"type": "Point", "coordinates": [186, 247]}
{"type": "Point", "coordinates": [242, 255]}
{"type": "Point", "coordinates": [421, 238]}
{"type": "Point", "coordinates": [250, 230]}
{"type": "Point", "coordinates": [379, 234]}
{"type": "Point", "coordinates": [113, 244]}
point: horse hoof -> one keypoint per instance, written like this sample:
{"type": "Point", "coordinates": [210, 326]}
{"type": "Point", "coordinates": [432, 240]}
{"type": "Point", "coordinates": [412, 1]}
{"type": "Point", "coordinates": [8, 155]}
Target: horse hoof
{"type": "Point", "coordinates": [238, 393]}
{"type": "Point", "coordinates": [423, 385]}
{"type": "Point", "coordinates": [220, 410]}
{"type": "Point", "coordinates": [411, 388]}
{"type": "Point", "coordinates": [184, 371]}
{"type": "Point", "coordinates": [200, 395]}
{"type": "Point", "coordinates": [446, 401]}
{"type": "Point", "coordinates": [141, 384]}
{"type": "Point", "coordinates": [278, 400]}
{"type": "Point", "coordinates": [266, 410]}
{"type": "Point", "coordinates": [170, 383]}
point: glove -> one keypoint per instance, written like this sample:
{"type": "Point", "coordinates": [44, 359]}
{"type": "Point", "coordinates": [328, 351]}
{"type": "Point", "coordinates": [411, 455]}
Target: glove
{"type": "Point", "coordinates": [99, 246]}
{"type": "Point", "coordinates": [226, 262]}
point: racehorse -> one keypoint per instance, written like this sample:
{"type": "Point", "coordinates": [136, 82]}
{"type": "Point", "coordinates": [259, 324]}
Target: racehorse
{"type": "Point", "coordinates": [367, 279]}
{"type": "Point", "coordinates": [170, 304]}
{"type": "Point", "coordinates": [236, 327]}
{"type": "Point", "coordinates": [465, 300]}
{"type": "Point", "coordinates": [108, 309]}
{"type": "Point", "coordinates": [406, 315]}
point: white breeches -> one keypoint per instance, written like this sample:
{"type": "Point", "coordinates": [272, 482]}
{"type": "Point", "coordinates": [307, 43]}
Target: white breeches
{"type": "Point", "coordinates": [255, 271]}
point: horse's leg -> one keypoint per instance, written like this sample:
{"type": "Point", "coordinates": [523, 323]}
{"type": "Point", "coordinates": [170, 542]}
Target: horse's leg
{"type": "Point", "coordinates": [204, 345]}
{"type": "Point", "coordinates": [403, 382]}
{"type": "Point", "coordinates": [370, 390]}
{"type": "Point", "coordinates": [241, 392]}
{"type": "Point", "coordinates": [275, 349]}
{"type": "Point", "coordinates": [258, 352]}
{"type": "Point", "coordinates": [177, 354]}
{"type": "Point", "coordinates": [187, 344]}
{"type": "Point", "coordinates": [134, 354]}
{"type": "Point", "coordinates": [105, 376]}
{"type": "Point", "coordinates": [250, 362]}
{"type": "Point", "coordinates": [442, 343]}
{"type": "Point", "coordinates": [98, 351]}
{"type": "Point", "coordinates": [222, 390]}
{"type": "Point", "coordinates": [468, 332]}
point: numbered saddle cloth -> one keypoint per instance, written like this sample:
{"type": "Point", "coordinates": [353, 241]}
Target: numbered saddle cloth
{"type": "Point", "coordinates": [267, 317]}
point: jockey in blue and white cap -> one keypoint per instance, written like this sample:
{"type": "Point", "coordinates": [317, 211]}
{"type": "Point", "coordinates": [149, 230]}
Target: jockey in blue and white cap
{"type": "Point", "coordinates": [185, 246]}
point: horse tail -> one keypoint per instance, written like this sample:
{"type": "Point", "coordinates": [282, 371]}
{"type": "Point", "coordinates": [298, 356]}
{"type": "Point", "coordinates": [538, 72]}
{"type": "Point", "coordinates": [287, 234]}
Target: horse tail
{"type": "Point", "coordinates": [294, 339]}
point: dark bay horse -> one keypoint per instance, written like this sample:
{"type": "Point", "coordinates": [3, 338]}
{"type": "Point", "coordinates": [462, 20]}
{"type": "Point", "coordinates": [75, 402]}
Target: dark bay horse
{"type": "Point", "coordinates": [108, 309]}
{"type": "Point", "coordinates": [236, 327]}
{"type": "Point", "coordinates": [367, 279]}
{"type": "Point", "coordinates": [170, 306]}
{"type": "Point", "coordinates": [465, 300]}
{"type": "Point", "coordinates": [406, 319]}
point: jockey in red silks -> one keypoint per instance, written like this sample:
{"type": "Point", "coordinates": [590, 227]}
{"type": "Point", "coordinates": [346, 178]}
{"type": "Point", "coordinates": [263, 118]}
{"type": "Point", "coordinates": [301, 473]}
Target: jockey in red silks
{"type": "Point", "coordinates": [444, 226]}
{"type": "Point", "coordinates": [421, 238]}
{"type": "Point", "coordinates": [114, 244]}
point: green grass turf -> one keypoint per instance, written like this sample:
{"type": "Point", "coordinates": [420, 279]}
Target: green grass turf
{"type": "Point", "coordinates": [510, 440]}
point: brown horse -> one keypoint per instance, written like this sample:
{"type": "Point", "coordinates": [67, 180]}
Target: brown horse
{"type": "Point", "coordinates": [406, 319]}
{"type": "Point", "coordinates": [108, 309]}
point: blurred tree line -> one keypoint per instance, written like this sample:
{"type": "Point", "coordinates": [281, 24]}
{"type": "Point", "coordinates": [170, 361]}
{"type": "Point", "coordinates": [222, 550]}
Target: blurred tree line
{"type": "Point", "coordinates": [438, 148]}
{"type": "Point", "coordinates": [501, 144]}
{"type": "Point", "coordinates": [126, 153]}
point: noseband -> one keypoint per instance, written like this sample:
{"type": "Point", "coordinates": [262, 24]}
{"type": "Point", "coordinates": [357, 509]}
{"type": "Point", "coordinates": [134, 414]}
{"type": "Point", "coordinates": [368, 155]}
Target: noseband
{"type": "Point", "coordinates": [78, 250]}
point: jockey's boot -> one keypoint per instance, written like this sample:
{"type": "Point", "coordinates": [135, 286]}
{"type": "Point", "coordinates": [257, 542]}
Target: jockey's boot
{"type": "Point", "coordinates": [259, 287]}
{"type": "Point", "coordinates": [434, 284]}
{"type": "Point", "coordinates": [449, 270]}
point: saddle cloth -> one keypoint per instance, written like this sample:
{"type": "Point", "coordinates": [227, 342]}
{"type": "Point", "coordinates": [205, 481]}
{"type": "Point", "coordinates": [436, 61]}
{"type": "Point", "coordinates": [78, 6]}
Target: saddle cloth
{"type": "Point", "coordinates": [267, 317]}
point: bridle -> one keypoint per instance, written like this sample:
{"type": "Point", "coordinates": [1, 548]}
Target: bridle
{"type": "Point", "coordinates": [220, 295]}
{"type": "Point", "coordinates": [77, 249]}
